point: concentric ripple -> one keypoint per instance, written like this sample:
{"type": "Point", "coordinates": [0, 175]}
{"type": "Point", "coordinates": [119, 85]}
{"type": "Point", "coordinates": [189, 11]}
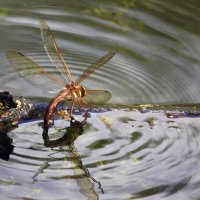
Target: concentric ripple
{"type": "Point", "coordinates": [156, 55]}
{"type": "Point", "coordinates": [120, 155]}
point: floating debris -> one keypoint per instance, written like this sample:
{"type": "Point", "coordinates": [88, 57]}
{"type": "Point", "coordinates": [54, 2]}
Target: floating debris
{"type": "Point", "coordinates": [126, 119]}
{"type": "Point", "coordinates": [107, 121]}
{"type": "Point", "coordinates": [143, 108]}
{"type": "Point", "coordinates": [151, 121]}
{"type": "Point", "coordinates": [183, 114]}
{"type": "Point", "coordinates": [175, 114]}
{"type": "Point", "coordinates": [6, 101]}
{"type": "Point", "coordinates": [64, 114]}
{"type": "Point", "coordinates": [174, 127]}
{"type": "Point", "coordinates": [11, 111]}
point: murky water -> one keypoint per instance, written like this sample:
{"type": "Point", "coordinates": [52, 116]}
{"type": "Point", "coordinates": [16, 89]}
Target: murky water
{"type": "Point", "coordinates": [118, 154]}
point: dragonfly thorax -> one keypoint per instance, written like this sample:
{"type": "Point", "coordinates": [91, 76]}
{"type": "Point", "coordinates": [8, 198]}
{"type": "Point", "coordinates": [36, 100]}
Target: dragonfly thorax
{"type": "Point", "coordinates": [76, 91]}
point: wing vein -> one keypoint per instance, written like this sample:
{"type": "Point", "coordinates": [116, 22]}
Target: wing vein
{"type": "Point", "coordinates": [93, 67]}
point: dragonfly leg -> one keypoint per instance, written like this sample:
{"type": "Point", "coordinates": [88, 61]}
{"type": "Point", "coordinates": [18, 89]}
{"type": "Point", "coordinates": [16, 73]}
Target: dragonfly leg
{"type": "Point", "coordinates": [79, 101]}
{"type": "Point", "coordinates": [84, 102]}
{"type": "Point", "coordinates": [53, 120]}
{"type": "Point", "coordinates": [85, 114]}
{"type": "Point", "coordinates": [72, 107]}
{"type": "Point", "coordinates": [79, 104]}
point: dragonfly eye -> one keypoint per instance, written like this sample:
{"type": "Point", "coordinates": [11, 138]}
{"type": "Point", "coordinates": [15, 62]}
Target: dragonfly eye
{"type": "Point", "coordinates": [83, 92]}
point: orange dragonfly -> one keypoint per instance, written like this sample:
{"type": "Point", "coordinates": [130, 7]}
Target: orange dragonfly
{"type": "Point", "coordinates": [66, 88]}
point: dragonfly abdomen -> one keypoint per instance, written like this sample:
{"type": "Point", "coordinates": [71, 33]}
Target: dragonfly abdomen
{"type": "Point", "coordinates": [52, 106]}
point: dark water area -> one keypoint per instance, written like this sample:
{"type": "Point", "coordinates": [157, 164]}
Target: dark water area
{"type": "Point", "coordinates": [121, 152]}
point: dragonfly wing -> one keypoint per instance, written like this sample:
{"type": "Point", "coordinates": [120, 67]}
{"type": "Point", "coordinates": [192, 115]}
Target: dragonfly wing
{"type": "Point", "coordinates": [97, 97]}
{"type": "Point", "coordinates": [33, 73]}
{"type": "Point", "coordinates": [53, 51]}
{"type": "Point", "coordinates": [95, 66]}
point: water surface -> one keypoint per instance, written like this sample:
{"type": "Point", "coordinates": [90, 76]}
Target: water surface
{"type": "Point", "coordinates": [156, 45]}
{"type": "Point", "coordinates": [119, 153]}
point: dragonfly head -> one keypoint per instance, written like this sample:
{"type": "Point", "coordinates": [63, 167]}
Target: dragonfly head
{"type": "Point", "coordinates": [84, 92]}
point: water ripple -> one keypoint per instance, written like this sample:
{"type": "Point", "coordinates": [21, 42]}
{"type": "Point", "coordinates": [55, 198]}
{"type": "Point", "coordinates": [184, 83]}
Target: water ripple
{"type": "Point", "coordinates": [149, 66]}
{"type": "Point", "coordinates": [135, 154]}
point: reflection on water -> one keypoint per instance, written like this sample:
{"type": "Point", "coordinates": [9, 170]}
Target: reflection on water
{"type": "Point", "coordinates": [139, 155]}
{"type": "Point", "coordinates": [70, 134]}
{"type": "Point", "coordinates": [6, 147]}
{"type": "Point", "coordinates": [84, 180]}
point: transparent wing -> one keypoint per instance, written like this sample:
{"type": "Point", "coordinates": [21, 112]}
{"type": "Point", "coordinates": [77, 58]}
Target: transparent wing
{"type": "Point", "coordinates": [53, 51]}
{"type": "Point", "coordinates": [97, 97]}
{"type": "Point", "coordinates": [95, 66]}
{"type": "Point", "coordinates": [33, 73]}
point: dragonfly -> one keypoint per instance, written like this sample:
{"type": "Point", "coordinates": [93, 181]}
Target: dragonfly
{"type": "Point", "coordinates": [64, 86]}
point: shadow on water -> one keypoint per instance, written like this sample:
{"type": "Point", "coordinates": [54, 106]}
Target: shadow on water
{"type": "Point", "coordinates": [82, 175]}
{"type": "Point", "coordinates": [6, 103]}
{"type": "Point", "coordinates": [6, 147]}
